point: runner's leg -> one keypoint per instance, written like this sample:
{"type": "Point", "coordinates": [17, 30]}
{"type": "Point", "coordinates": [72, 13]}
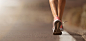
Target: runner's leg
{"type": "Point", "coordinates": [53, 6]}
{"type": "Point", "coordinates": [61, 5]}
{"type": "Point", "coordinates": [57, 8]}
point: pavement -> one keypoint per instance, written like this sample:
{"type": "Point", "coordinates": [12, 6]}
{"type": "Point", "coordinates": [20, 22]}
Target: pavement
{"type": "Point", "coordinates": [27, 32]}
{"type": "Point", "coordinates": [75, 30]}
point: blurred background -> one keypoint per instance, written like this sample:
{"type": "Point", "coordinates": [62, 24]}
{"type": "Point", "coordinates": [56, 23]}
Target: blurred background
{"type": "Point", "coordinates": [37, 13]}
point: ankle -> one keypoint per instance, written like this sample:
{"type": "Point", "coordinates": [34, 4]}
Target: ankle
{"type": "Point", "coordinates": [56, 18]}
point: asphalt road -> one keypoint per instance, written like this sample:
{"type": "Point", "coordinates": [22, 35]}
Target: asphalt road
{"type": "Point", "coordinates": [27, 32]}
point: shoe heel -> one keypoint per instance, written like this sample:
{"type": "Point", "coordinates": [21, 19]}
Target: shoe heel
{"type": "Point", "coordinates": [57, 30]}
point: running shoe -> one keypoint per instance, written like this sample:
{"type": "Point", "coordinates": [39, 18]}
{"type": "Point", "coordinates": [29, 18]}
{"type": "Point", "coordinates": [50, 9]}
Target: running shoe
{"type": "Point", "coordinates": [57, 26]}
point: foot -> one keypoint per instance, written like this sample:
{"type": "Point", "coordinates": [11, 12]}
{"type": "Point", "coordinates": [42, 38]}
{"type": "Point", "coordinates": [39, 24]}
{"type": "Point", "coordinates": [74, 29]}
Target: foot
{"type": "Point", "coordinates": [57, 19]}
{"type": "Point", "coordinates": [56, 29]}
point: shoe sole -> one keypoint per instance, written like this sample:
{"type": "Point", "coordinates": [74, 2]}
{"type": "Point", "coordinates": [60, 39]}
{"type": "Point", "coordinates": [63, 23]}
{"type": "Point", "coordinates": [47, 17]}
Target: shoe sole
{"type": "Point", "coordinates": [57, 23]}
{"type": "Point", "coordinates": [55, 33]}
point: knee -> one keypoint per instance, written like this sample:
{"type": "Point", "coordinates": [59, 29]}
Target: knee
{"type": "Point", "coordinates": [51, 0]}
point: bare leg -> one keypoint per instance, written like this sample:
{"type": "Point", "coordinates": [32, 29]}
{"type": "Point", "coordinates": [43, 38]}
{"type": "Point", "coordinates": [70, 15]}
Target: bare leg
{"type": "Point", "coordinates": [53, 6]}
{"type": "Point", "coordinates": [57, 7]}
{"type": "Point", "coordinates": [61, 5]}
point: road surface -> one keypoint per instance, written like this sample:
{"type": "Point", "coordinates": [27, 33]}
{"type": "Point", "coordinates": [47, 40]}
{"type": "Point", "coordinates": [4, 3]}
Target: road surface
{"type": "Point", "coordinates": [27, 32]}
